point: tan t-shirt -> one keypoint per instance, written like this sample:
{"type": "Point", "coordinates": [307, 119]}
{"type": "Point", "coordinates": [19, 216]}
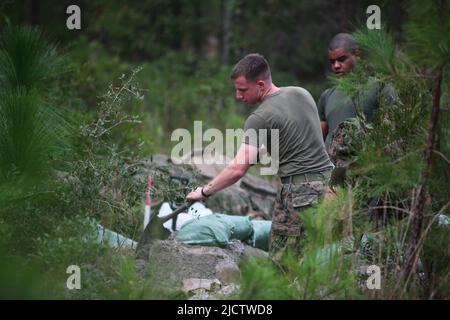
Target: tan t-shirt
{"type": "Point", "coordinates": [293, 112]}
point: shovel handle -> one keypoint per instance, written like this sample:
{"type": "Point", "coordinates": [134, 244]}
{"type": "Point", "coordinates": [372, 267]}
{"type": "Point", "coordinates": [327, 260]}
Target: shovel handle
{"type": "Point", "coordinates": [176, 212]}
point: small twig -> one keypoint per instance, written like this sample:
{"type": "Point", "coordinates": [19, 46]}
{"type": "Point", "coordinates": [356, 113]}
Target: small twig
{"type": "Point", "coordinates": [443, 157]}
{"type": "Point", "coordinates": [391, 207]}
{"type": "Point", "coordinates": [406, 156]}
{"type": "Point", "coordinates": [111, 205]}
{"type": "Point", "coordinates": [122, 121]}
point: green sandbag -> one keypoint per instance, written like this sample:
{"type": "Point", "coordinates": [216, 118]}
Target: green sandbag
{"type": "Point", "coordinates": [241, 227]}
{"type": "Point", "coordinates": [261, 234]}
{"type": "Point", "coordinates": [215, 230]}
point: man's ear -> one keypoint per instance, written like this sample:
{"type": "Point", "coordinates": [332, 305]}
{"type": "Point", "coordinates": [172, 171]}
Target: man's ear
{"type": "Point", "coordinates": [261, 84]}
{"type": "Point", "coordinates": [357, 54]}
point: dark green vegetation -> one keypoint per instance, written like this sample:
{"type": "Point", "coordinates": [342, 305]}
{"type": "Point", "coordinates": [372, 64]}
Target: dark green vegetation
{"type": "Point", "coordinates": [75, 119]}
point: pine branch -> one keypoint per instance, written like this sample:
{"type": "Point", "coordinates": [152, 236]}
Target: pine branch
{"type": "Point", "coordinates": [420, 192]}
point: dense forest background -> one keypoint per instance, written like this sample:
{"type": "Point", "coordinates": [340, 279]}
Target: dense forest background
{"type": "Point", "coordinates": [186, 49]}
{"type": "Point", "coordinates": [80, 109]}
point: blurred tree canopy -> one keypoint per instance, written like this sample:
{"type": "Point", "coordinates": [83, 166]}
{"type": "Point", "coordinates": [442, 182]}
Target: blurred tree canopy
{"type": "Point", "coordinates": [292, 34]}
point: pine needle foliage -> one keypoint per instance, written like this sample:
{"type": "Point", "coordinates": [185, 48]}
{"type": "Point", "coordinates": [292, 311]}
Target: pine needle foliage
{"type": "Point", "coordinates": [33, 132]}
{"type": "Point", "coordinates": [27, 60]}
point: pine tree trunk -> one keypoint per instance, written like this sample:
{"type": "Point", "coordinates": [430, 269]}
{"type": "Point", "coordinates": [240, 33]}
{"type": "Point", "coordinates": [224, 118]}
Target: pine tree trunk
{"type": "Point", "coordinates": [421, 191]}
{"type": "Point", "coordinates": [33, 12]}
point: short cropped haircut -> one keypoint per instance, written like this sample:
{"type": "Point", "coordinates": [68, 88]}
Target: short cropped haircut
{"type": "Point", "coordinates": [343, 41]}
{"type": "Point", "coordinates": [253, 66]}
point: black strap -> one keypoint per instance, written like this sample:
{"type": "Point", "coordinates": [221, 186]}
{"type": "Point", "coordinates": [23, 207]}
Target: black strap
{"type": "Point", "coordinates": [204, 194]}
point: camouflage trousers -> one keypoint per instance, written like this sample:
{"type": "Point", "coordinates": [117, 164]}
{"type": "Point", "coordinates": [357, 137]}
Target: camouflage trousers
{"type": "Point", "coordinates": [287, 225]}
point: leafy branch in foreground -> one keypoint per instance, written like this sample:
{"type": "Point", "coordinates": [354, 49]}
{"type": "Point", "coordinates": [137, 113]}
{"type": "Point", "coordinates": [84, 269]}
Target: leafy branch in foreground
{"type": "Point", "coordinates": [103, 172]}
{"type": "Point", "coordinates": [110, 114]}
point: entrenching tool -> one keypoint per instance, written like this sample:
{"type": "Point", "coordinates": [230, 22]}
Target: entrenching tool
{"type": "Point", "coordinates": [153, 225]}
{"type": "Point", "coordinates": [155, 229]}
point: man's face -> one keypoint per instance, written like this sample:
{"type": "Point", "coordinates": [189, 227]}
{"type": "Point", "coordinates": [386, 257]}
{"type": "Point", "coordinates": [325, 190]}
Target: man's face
{"type": "Point", "coordinates": [248, 92]}
{"type": "Point", "coordinates": [342, 61]}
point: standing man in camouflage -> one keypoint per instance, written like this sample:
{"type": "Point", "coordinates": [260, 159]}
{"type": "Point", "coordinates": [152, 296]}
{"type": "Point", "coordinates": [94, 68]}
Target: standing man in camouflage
{"type": "Point", "coordinates": [336, 107]}
{"type": "Point", "coordinates": [304, 166]}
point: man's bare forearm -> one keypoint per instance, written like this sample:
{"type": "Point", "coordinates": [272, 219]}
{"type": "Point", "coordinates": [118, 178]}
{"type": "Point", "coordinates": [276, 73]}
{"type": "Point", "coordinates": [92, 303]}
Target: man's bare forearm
{"type": "Point", "coordinates": [228, 176]}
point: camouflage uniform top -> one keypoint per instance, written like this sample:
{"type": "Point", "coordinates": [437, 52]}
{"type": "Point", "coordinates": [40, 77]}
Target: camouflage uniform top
{"type": "Point", "coordinates": [335, 106]}
{"type": "Point", "coordinates": [343, 140]}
